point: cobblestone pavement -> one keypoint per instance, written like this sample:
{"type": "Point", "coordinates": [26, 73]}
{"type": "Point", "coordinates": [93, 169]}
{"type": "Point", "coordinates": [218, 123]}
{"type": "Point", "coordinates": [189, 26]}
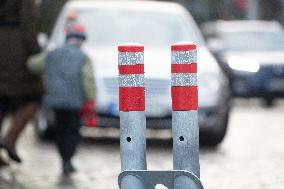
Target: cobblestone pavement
{"type": "Point", "coordinates": [252, 156]}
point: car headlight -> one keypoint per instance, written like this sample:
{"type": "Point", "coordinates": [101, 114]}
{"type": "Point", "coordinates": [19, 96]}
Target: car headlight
{"type": "Point", "coordinates": [209, 89]}
{"type": "Point", "coordinates": [243, 64]}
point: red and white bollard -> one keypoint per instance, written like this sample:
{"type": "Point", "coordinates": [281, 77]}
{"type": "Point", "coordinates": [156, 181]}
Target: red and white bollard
{"type": "Point", "coordinates": [133, 121]}
{"type": "Point", "coordinates": [184, 116]}
{"type": "Point", "coordinates": [132, 113]}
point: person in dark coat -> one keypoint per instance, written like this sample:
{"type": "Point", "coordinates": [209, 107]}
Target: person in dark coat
{"type": "Point", "coordinates": [20, 90]}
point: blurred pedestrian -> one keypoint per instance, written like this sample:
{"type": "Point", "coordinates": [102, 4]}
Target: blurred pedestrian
{"type": "Point", "coordinates": [20, 91]}
{"type": "Point", "coordinates": [70, 90]}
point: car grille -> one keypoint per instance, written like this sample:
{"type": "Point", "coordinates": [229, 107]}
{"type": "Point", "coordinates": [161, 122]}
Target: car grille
{"type": "Point", "coordinates": [154, 87]}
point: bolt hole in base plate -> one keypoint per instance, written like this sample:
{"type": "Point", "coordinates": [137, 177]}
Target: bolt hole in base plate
{"type": "Point", "coordinates": [154, 179]}
{"type": "Point", "coordinates": [128, 139]}
{"type": "Point", "coordinates": [181, 138]}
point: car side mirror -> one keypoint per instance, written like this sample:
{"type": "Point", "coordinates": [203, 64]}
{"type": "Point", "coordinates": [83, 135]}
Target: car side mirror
{"type": "Point", "coordinates": [42, 39]}
{"type": "Point", "coordinates": [215, 45]}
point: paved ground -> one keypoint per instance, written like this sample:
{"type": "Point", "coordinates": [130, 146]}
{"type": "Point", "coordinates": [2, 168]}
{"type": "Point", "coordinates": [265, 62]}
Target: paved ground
{"type": "Point", "coordinates": [252, 156]}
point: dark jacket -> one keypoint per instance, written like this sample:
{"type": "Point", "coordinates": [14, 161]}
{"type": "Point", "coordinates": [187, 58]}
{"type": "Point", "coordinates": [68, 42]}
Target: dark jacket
{"type": "Point", "coordinates": [64, 85]}
{"type": "Point", "coordinates": [17, 43]}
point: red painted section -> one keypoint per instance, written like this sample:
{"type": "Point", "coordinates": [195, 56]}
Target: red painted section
{"type": "Point", "coordinates": [184, 98]}
{"type": "Point", "coordinates": [91, 120]}
{"type": "Point", "coordinates": [184, 68]}
{"type": "Point", "coordinates": [131, 48]}
{"type": "Point", "coordinates": [183, 46]}
{"type": "Point", "coordinates": [131, 69]}
{"type": "Point", "coordinates": [131, 99]}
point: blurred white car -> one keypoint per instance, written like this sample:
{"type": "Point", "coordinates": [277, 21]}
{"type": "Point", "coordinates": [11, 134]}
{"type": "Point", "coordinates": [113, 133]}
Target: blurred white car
{"type": "Point", "coordinates": [156, 25]}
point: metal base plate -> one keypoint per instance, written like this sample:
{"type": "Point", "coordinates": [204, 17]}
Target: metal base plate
{"type": "Point", "coordinates": [166, 178]}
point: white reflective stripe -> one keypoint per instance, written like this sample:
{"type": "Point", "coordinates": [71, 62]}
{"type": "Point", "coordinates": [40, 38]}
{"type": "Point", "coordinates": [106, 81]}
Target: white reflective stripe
{"type": "Point", "coordinates": [184, 79]}
{"type": "Point", "coordinates": [132, 80]}
{"type": "Point", "coordinates": [184, 57]}
{"type": "Point", "coordinates": [130, 58]}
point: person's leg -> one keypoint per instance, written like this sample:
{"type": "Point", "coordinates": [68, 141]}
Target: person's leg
{"type": "Point", "coordinates": [3, 110]}
{"type": "Point", "coordinates": [73, 134]}
{"type": "Point", "coordinates": [19, 121]}
{"type": "Point", "coordinates": [3, 163]}
{"type": "Point", "coordinates": [67, 123]}
{"type": "Point", "coordinates": [72, 140]}
{"type": "Point", "coordinates": [60, 123]}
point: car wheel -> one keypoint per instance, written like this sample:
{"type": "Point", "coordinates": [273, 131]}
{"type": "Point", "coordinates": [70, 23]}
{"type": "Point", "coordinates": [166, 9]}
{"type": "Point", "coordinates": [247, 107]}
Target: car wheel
{"type": "Point", "coordinates": [212, 138]}
{"type": "Point", "coordinates": [44, 127]}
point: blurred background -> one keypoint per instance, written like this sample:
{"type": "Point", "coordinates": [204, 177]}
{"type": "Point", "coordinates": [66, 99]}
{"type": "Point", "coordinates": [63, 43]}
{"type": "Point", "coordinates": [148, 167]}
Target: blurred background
{"type": "Point", "coordinates": [201, 10]}
{"type": "Point", "coordinates": [241, 86]}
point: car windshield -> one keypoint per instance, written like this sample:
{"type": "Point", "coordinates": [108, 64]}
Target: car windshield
{"type": "Point", "coordinates": [254, 41]}
{"type": "Point", "coordinates": [113, 27]}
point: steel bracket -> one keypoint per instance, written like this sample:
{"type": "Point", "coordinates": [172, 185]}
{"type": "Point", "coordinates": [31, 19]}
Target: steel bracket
{"type": "Point", "coordinates": [166, 178]}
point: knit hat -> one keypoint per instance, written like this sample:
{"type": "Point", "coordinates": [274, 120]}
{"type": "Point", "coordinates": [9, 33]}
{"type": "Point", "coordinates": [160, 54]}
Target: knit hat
{"type": "Point", "coordinates": [77, 31]}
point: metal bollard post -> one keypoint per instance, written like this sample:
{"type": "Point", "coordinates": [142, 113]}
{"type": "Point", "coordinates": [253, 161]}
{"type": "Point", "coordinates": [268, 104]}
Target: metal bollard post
{"type": "Point", "coordinates": [134, 173]}
{"type": "Point", "coordinates": [184, 116]}
{"type": "Point", "coordinates": [132, 113]}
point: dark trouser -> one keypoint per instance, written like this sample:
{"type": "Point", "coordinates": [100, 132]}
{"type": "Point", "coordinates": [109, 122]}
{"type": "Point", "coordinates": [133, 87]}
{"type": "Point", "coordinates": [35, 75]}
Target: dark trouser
{"type": "Point", "coordinates": [67, 126]}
